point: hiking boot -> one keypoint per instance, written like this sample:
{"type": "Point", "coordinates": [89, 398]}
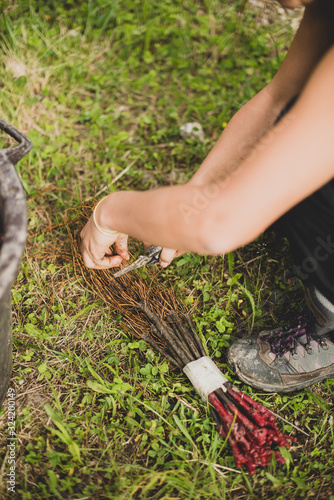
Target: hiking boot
{"type": "Point", "coordinates": [288, 359]}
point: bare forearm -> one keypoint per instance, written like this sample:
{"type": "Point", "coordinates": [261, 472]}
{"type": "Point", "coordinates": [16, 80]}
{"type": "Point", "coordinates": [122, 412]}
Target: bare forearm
{"type": "Point", "coordinates": [279, 173]}
{"type": "Point", "coordinates": [175, 215]}
{"type": "Point", "coordinates": [244, 130]}
{"type": "Point", "coordinates": [314, 37]}
{"type": "Point", "coordinates": [219, 209]}
{"type": "Point", "coordinates": [163, 216]}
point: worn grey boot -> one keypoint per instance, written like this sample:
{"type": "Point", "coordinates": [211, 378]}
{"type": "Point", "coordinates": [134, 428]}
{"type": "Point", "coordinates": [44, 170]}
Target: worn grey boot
{"type": "Point", "coordinates": [285, 360]}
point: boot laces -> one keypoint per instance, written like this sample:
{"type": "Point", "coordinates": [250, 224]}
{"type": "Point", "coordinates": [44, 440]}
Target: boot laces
{"type": "Point", "coordinates": [286, 339]}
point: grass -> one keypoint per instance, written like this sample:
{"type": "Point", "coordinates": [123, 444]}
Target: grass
{"type": "Point", "coordinates": [99, 86]}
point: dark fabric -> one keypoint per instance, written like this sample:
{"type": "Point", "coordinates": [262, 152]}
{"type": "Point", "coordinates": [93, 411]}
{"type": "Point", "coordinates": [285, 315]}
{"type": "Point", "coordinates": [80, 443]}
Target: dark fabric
{"type": "Point", "coordinates": [309, 227]}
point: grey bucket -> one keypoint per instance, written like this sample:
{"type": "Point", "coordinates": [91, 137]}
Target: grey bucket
{"type": "Point", "coordinates": [13, 225]}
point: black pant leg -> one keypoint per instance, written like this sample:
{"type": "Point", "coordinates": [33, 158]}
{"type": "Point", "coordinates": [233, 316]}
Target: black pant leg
{"type": "Point", "coordinates": [309, 228]}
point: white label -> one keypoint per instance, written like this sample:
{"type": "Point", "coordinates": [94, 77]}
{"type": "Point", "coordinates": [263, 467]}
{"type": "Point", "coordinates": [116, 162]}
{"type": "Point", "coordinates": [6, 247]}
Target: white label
{"type": "Point", "coordinates": [205, 376]}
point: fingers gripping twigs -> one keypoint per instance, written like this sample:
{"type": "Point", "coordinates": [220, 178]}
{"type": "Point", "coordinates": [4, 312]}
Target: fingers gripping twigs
{"type": "Point", "coordinates": [96, 242]}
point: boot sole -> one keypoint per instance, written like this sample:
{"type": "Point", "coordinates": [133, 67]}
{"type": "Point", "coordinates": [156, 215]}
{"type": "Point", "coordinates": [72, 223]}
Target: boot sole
{"type": "Point", "coordinates": [278, 388]}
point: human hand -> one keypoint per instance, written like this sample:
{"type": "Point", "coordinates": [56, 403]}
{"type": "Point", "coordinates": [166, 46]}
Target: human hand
{"type": "Point", "coordinates": [167, 255]}
{"type": "Point", "coordinates": [96, 242]}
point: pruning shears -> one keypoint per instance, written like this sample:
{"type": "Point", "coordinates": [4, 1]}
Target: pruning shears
{"type": "Point", "coordinates": [152, 256]}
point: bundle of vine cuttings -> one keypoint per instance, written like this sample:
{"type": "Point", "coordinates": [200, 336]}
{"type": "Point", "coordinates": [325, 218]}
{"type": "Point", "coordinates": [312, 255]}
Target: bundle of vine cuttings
{"type": "Point", "coordinates": [155, 315]}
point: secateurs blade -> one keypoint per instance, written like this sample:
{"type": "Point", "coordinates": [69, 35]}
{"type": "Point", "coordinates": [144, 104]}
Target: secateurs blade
{"type": "Point", "coordinates": [152, 256]}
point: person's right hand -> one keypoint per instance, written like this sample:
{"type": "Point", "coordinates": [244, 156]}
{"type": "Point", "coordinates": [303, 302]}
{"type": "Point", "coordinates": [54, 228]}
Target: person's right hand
{"type": "Point", "coordinates": [167, 255]}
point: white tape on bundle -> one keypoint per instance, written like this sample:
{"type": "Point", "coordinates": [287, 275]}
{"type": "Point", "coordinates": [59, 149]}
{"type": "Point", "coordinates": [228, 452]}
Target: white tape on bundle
{"type": "Point", "coordinates": [205, 376]}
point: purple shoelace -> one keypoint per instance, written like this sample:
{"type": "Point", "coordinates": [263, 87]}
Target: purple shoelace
{"type": "Point", "coordinates": [286, 339]}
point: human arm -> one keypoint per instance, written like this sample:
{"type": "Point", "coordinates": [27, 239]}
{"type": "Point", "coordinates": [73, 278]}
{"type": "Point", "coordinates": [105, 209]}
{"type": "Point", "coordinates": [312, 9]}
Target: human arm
{"type": "Point", "coordinates": [293, 160]}
{"type": "Point", "coordinates": [313, 38]}
{"type": "Point", "coordinates": [257, 116]}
